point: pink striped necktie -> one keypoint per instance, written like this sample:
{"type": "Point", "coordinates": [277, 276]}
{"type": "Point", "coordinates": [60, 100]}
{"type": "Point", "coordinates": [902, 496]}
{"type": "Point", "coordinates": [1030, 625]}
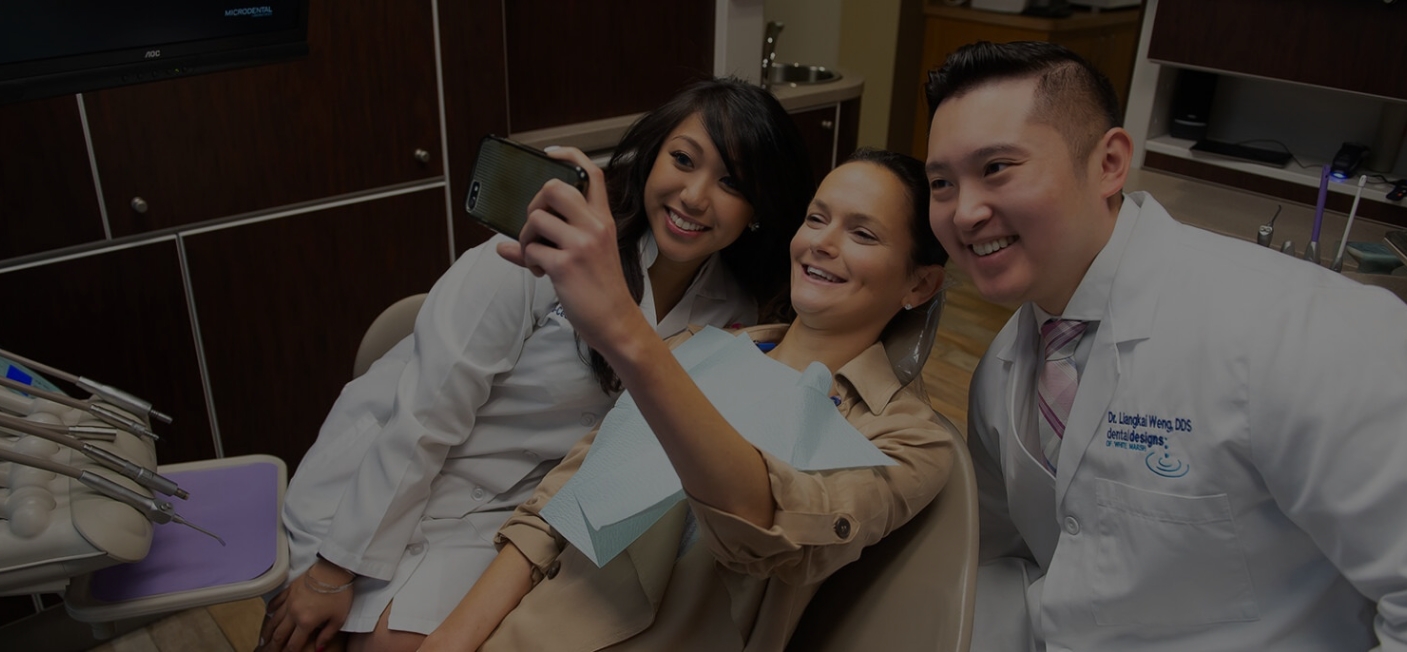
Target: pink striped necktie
{"type": "Point", "coordinates": [1058, 381]}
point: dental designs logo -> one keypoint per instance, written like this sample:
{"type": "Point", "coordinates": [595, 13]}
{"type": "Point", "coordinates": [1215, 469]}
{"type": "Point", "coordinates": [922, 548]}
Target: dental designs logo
{"type": "Point", "coordinates": [1166, 464]}
{"type": "Point", "coordinates": [1149, 433]}
{"type": "Point", "coordinates": [251, 12]}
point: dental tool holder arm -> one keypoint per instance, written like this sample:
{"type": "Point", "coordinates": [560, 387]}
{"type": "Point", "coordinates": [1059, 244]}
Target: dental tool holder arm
{"type": "Point", "coordinates": [127, 468]}
{"type": "Point", "coordinates": [107, 393]}
{"type": "Point", "coordinates": [55, 527]}
{"type": "Point", "coordinates": [107, 413]}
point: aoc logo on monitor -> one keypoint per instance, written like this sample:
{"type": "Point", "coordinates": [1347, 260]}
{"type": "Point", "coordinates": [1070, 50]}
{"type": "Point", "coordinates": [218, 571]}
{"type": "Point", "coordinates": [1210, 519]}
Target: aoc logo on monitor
{"type": "Point", "coordinates": [252, 12]}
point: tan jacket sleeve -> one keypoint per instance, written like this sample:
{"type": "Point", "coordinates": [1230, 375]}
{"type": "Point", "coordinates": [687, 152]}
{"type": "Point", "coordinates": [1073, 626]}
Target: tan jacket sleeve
{"type": "Point", "coordinates": [526, 528]}
{"type": "Point", "coordinates": [824, 519]}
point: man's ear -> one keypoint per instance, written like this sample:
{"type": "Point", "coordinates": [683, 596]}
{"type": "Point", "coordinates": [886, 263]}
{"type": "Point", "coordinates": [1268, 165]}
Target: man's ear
{"type": "Point", "coordinates": [1110, 161]}
{"type": "Point", "coordinates": [928, 279]}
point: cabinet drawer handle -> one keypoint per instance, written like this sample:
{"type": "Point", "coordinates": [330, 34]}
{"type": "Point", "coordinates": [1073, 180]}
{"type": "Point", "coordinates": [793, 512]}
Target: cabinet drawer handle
{"type": "Point", "coordinates": [827, 124]}
{"type": "Point", "coordinates": [139, 204]}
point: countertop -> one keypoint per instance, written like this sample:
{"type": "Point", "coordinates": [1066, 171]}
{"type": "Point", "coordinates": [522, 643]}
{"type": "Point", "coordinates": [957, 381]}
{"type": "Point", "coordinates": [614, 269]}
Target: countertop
{"type": "Point", "coordinates": [599, 135]}
{"type": "Point", "coordinates": [1239, 214]}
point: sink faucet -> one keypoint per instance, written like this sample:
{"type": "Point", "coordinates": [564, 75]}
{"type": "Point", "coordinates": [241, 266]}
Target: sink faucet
{"type": "Point", "coordinates": [769, 50]}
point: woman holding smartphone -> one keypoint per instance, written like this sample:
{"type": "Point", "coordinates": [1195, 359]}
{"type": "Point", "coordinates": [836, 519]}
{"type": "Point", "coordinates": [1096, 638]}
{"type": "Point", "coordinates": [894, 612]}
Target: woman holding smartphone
{"type": "Point", "coordinates": [392, 511]}
{"type": "Point", "coordinates": [734, 566]}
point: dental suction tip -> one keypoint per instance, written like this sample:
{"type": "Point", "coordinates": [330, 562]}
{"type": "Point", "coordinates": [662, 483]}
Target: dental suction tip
{"type": "Point", "coordinates": [197, 528]}
{"type": "Point", "coordinates": [165, 418]}
{"type": "Point", "coordinates": [182, 494]}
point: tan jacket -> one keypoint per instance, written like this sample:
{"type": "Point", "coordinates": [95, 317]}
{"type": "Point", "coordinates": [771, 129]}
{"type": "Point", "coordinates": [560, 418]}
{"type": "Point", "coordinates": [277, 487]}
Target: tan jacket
{"type": "Point", "coordinates": [740, 587]}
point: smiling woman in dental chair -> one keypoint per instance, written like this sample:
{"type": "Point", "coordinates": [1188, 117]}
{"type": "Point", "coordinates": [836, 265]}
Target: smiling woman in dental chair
{"type": "Point", "coordinates": [734, 565]}
{"type": "Point", "coordinates": [423, 457]}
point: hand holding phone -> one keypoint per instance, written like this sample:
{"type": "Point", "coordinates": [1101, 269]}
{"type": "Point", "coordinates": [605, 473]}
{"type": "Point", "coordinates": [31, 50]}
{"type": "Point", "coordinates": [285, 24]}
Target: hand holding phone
{"type": "Point", "coordinates": [507, 175]}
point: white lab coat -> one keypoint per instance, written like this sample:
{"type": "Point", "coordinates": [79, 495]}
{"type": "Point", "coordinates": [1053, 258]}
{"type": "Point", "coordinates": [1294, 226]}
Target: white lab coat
{"type": "Point", "coordinates": [1233, 474]}
{"type": "Point", "coordinates": [425, 455]}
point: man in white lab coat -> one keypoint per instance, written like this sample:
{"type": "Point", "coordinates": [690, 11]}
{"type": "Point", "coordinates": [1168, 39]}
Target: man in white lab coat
{"type": "Point", "coordinates": [1183, 441]}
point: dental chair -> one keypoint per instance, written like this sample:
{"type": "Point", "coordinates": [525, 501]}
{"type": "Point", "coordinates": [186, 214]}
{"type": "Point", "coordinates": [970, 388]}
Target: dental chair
{"type": "Point", "coordinates": [391, 326]}
{"type": "Point", "coordinates": [911, 592]}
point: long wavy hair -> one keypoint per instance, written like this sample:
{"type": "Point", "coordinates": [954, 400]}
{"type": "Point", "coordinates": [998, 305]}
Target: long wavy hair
{"type": "Point", "coordinates": [763, 152]}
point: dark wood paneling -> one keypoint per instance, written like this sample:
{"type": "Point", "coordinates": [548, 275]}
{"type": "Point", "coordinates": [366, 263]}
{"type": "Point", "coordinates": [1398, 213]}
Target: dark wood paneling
{"type": "Point", "coordinates": [1356, 45]}
{"type": "Point", "coordinates": [909, 75]}
{"type": "Point", "coordinates": [47, 197]}
{"type": "Point", "coordinates": [848, 136]}
{"type": "Point", "coordinates": [284, 303]}
{"type": "Point", "coordinates": [1395, 214]}
{"type": "Point", "coordinates": [119, 317]}
{"type": "Point", "coordinates": [817, 127]}
{"type": "Point", "coordinates": [476, 97]}
{"type": "Point", "coordinates": [348, 117]}
{"type": "Point", "coordinates": [594, 59]}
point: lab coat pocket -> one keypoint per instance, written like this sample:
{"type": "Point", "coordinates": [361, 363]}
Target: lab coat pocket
{"type": "Point", "coordinates": [1163, 559]}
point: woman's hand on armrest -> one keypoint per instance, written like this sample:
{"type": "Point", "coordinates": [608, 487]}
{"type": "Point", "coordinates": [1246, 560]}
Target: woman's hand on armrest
{"type": "Point", "coordinates": [315, 603]}
{"type": "Point", "coordinates": [503, 584]}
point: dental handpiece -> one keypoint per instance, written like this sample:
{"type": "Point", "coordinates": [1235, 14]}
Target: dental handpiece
{"type": "Point", "coordinates": [103, 412]}
{"type": "Point", "coordinates": [127, 468]}
{"type": "Point", "coordinates": [107, 393]}
{"type": "Point", "coordinates": [156, 511]}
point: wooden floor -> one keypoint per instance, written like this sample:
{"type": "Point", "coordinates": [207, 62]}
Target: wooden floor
{"type": "Point", "coordinates": [968, 325]}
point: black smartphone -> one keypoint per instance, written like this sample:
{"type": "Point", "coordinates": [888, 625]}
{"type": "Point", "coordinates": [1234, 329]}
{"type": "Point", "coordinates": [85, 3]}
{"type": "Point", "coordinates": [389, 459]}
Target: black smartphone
{"type": "Point", "coordinates": [507, 175]}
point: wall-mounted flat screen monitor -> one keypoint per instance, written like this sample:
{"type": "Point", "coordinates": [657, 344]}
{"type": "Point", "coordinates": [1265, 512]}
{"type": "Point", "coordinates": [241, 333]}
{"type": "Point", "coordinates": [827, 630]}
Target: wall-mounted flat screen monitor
{"type": "Point", "coordinates": [56, 47]}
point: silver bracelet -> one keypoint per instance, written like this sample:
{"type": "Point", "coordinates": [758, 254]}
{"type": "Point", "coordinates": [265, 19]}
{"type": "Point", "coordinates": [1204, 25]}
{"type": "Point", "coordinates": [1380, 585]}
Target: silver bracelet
{"type": "Point", "coordinates": [323, 587]}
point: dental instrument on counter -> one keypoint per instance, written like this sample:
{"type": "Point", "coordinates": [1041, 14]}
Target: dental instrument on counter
{"type": "Point", "coordinates": [1311, 250]}
{"type": "Point", "coordinates": [1337, 265]}
{"type": "Point", "coordinates": [156, 511]}
{"type": "Point", "coordinates": [104, 413]}
{"type": "Point", "coordinates": [1268, 229]}
{"type": "Point", "coordinates": [123, 466]}
{"type": "Point", "coordinates": [21, 407]}
{"type": "Point", "coordinates": [1288, 247]}
{"type": "Point", "coordinates": [107, 393]}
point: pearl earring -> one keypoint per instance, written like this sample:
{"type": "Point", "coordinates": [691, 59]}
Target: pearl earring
{"type": "Point", "coordinates": [908, 306]}
{"type": "Point", "coordinates": [754, 226]}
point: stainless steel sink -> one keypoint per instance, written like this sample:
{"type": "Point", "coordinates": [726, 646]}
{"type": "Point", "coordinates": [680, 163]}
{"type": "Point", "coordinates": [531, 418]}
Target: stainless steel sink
{"type": "Point", "coordinates": [796, 74]}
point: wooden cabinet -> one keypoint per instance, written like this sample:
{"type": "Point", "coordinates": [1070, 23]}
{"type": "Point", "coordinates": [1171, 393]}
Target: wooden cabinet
{"type": "Point", "coordinates": [596, 60]}
{"type": "Point", "coordinates": [830, 133]}
{"type": "Point", "coordinates": [347, 118]}
{"type": "Point", "coordinates": [47, 200]}
{"type": "Point", "coordinates": [1354, 45]}
{"type": "Point", "coordinates": [119, 316]}
{"type": "Point", "coordinates": [1108, 39]}
{"type": "Point", "coordinates": [282, 305]}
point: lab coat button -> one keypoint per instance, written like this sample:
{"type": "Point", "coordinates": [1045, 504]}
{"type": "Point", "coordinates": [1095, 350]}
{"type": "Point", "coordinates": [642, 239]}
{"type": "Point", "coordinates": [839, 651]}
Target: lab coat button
{"type": "Point", "coordinates": [842, 528]}
{"type": "Point", "coordinates": [552, 569]}
{"type": "Point", "coordinates": [479, 493]}
{"type": "Point", "coordinates": [416, 548]}
{"type": "Point", "coordinates": [588, 419]}
{"type": "Point", "coordinates": [1071, 525]}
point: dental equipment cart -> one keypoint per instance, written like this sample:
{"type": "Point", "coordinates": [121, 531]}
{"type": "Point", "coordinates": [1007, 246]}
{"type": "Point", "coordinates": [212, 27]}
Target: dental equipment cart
{"type": "Point", "coordinates": [85, 511]}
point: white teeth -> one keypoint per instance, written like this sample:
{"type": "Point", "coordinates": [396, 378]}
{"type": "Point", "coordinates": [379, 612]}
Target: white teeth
{"type": "Point", "coordinates": [987, 248]}
{"type": "Point", "coordinates": [682, 224]}
{"type": "Point", "coordinates": [812, 271]}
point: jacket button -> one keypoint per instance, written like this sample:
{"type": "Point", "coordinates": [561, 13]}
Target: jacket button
{"type": "Point", "coordinates": [479, 493]}
{"type": "Point", "coordinates": [842, 528]}
{"type": "Point", "coordinates": [553, 569]}
{"type": "Point", "coordinates": [1071, 525]}
{"type": "Point", "coordinates": [587, 418]}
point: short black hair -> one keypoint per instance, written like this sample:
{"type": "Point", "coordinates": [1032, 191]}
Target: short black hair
{"type": "Point", "coordinates": [1071, 95]}
{"type": "Point", "coordinates": [909, 170]}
